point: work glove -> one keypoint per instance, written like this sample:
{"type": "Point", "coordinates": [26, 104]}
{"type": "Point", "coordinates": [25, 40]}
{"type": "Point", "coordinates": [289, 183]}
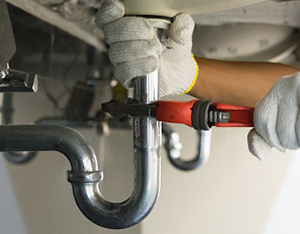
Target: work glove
{"type": "Point", "coordinates": [277, 119]}
{"type": "Point", "coordinates": [136, 51]}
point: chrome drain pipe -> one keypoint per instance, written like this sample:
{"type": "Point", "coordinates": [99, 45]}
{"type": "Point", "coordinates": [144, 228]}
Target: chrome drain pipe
{"type": "Point", "coordinates": [84, 174]}
{"type": "Point", "coordinates": [147, 147]}
{"type": "Point", "coordinates": [147, 163]}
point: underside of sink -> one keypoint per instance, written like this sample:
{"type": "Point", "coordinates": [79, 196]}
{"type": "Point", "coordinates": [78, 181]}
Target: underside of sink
{"type": "Point", "coordinates": [170, 8]}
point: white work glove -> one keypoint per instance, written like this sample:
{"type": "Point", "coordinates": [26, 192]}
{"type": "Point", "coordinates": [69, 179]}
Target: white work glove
{"type": "Point", "coordinates": [277, 119]}
{"type": "Point", "coordinates": [136, 51]}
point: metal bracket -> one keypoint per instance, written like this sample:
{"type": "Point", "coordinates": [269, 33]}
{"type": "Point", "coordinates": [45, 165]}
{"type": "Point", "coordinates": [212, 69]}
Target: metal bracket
{"type": "Point", "coordinates": [17, 81]}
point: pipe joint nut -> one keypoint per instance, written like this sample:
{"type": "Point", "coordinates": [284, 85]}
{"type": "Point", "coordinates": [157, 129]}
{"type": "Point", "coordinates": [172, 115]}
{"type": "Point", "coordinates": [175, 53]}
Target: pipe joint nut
{"type": "Point", "coordinates": [85, 177]}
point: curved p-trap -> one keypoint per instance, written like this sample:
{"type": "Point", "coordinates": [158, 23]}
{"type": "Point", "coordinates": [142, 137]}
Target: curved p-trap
{"type": "Point", "coordinates": [84, 175]}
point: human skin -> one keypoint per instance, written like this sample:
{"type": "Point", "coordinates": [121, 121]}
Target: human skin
{"type": "Point", "coordinates": [236, 83]}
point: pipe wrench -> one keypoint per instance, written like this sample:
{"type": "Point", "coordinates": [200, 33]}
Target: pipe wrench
{"type": "Point", "coordinates": [201, 115]}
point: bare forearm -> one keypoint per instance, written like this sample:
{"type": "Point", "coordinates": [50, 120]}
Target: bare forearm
{"type": "Point", "coordinates": [236, 83]}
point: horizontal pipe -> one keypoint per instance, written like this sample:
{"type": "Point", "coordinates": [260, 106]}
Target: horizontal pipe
{"type": "Point", "coordinates": [84, 175]}
{"type": "Point", "coordinates": [50, 138]}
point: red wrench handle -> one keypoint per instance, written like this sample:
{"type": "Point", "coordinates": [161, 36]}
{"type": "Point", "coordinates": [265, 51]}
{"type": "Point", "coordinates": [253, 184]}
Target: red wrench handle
{"type": "Point", "coordinates": [181, 112]}
{"type": "Point", "coordinates": [175, 112]}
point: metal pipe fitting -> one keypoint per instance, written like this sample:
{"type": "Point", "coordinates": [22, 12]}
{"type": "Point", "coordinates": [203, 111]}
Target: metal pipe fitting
{"type": "Point", "coordinates": [19, 158]}
{"type": "Point", "coordinates": [173, 147]}
{"type": "Point", "coordinates": [18, 81]}
{"type": "Point", "coordinates": [4, 71]}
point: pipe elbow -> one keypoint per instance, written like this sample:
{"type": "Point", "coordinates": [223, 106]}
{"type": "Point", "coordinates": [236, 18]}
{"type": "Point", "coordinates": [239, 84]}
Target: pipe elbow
{"type": "Point", "coordinates": [129, 212]}
{"type": "Point", "coordinates": [173, 147]}
{"type": "Point", "coordinates": [112, 215]}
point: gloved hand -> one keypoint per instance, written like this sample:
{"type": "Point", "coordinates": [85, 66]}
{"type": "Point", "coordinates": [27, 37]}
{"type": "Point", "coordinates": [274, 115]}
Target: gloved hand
{"type": "Point", "coordinates": [135, 50]}
{"type": "Point", "coordinates": [277, 118]}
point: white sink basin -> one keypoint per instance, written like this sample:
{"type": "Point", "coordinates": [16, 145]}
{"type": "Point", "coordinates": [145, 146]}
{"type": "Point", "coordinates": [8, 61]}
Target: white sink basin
{"type": "Point", "coordinates": [170, 8]}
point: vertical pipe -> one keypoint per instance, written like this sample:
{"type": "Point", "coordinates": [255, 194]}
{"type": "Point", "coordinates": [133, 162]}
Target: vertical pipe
{"type": "Point", "coordinates": [7, 108]}
{"type": "Point", "coordinates": [147, 138]}
{"type": "Point", "coordinates": [147, 131]}
{"type": "Point", "coordinates": [147, 157]}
